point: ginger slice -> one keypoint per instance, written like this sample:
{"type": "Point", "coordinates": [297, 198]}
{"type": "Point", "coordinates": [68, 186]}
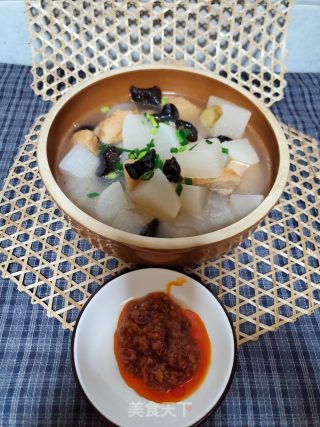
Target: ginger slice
{"type": "Point", "coordinates": [211, 115]}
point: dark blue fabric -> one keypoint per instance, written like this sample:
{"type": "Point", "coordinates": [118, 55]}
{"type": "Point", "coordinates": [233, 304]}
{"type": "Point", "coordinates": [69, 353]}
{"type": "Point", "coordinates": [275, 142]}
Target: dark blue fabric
{"type": "Point", "coordinates": [277, 382]}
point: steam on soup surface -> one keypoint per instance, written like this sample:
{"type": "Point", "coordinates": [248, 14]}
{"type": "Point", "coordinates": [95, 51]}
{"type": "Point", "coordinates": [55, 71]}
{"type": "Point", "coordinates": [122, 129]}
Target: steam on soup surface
{"type": "Point", "coordinates": [165, 166]}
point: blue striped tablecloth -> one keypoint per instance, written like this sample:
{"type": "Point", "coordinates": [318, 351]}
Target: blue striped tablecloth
{"type": "Point", "coordinates": [277, 382]}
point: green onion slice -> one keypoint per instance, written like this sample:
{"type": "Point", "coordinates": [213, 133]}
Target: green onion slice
{"type": "Point", "coordinates": [92, 195]}
{"type": "Point", "coordinates": [104, 109]}
{"type": "Point", "coordinates": [147, 175]}
{"type": "Point", "coordinates": [164, 100]}
{"type": "Point", "coordinates": [173, 150]}
{"type": "Point", "coordinates": [194, 146]}
{"type": "Point", "coordinates": [142, 154]}
{"type": "Point", "coordinates": [179, 188]}
{"type": "Point", "coordinates": [111, 175]}
{"type": "Point", "coordinates": [151, 119]}
{"type": "Point", "coordinates": [182, 149]}
{"type": "Point", "coordinates": [118, 166]}
{"type": "Point", "coordinates": [151, 144]}
{"type": "Point", "coordinates": [158, 162]}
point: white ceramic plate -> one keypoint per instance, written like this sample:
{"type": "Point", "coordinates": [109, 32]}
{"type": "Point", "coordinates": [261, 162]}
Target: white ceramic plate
{"type": "Point", "coordinates": [96, 368]}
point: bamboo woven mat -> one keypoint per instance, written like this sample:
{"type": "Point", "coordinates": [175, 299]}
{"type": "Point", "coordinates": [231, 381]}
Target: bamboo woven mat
{"type": "Point", "coordinates": [243, 40]}
{"type": "Point", "coordinates": [270, 279]}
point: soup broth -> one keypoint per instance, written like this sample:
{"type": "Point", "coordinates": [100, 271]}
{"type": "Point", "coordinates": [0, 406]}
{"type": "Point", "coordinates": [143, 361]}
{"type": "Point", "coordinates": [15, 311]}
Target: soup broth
{"type": "Point", "coordinates": [202, 207]}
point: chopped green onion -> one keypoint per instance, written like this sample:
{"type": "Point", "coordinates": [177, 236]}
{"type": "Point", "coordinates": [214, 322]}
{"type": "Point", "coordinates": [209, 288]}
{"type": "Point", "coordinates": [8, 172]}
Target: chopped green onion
{"type": "Point", "coordinates": [173, 150]}
{"type": "Point", "coordinates": [164, 100]}
{"type": "Point", "coordinates": [182, 135]}
{"type": "Point", "coordinates": [179, 188]}
{"type": "Point", "coordinates": [182, 149]}
{"type": "Point", "coordinates": [151, 119]}
{"type": "Point", "coordinates": [123, 150]}
{"type": "Point", "coordinates": [104, 109]}
{"type": "Point", "coordinates": [154, 130]}
{"type": "Point", "coordinates": [185, 132]}
{"type": "Point", "coordinates": [135, 153]}
{"type": "Point", "coordinates": [188, 181]}
{"type": "Point", "coordinates": [225, 150]}
{"type": "Point", "coordinates": [193, 147]}
{"type": "Point", "coordinates": [208, 141]}
{"type": "Point", "coordinates": [142, 154]}
{"type": "Point", "coordinates": [102, 147]}
{"type": "Point", "coordinates": [111, 175]}
{"type": "Point", "coordinates": [118, 166]}
{"type": "Point", "coordinates": [151, 144]}
{"type": "Point", "coordinates": [158, 163]}
{"type": "Point", "coordinates": [92, 195]}
{"type": "Point", "coordinates": [147, 175]}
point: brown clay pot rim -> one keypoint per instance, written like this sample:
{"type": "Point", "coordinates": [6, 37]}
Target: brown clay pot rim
{"type": "Point", "coordinates": [123, 237]}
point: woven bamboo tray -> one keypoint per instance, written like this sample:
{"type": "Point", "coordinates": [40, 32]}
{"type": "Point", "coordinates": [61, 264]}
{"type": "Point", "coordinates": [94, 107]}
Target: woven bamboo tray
{"type": "Point", "coordinates": [243, 40]}
{"type": "Point", "coordinates": [270, 279]}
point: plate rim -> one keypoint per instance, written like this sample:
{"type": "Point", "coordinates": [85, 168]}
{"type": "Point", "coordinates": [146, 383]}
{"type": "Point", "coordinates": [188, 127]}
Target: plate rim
{"type": "Point", "coordinates": [180, 271]}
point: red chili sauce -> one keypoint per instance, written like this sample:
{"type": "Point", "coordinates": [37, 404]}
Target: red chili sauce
{"type": "Point", "coordinates": [163, 351]}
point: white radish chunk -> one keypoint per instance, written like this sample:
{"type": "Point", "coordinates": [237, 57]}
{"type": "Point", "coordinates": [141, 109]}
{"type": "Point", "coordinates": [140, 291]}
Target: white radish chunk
{"type": "Point", "coordinates": [111, 201]}
{"type": "Point", "coordinates": [256, 180]}
{"type": "Point", "coordinates": [243, 204]}
{"type": "Point", "coordinates": [157, 197]}
{"type": "Point", "coordinates": [78, 192]}
{"type": "Point", "coordinates": [80, 162]}
{"type": "Point", "coordinates": [129, 221]}
{"type": "Point", "coordinates": [226, 158]}
{"type": "Point", "coordinates": [233, 121]}
{"type": "Point", "coordinates": [242, 151]}
{"type": "Point", "coordinates": [218, 212]}
{"type": "Point", "coordinates": [203, 161]}
{"type": "Point", "coordinates": [165, 139]}
{"type": "Point", "coordinates": [193, 199]}
{"type": "Point", "coordinates": [136, 131]}
{"type": "Point", "coordinates": [183, 226]}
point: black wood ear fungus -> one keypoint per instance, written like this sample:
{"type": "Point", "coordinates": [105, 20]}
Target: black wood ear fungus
{"type": "Point", "coordinates": [172, 170]}
{"type": "Point", "coordinates": [169, 113]}
{"type": "Point", "coordinates": [141, 166]}
{"type": "Point", "coordinates": [150, 230]}
{"type": "Point", "coordinates": [149, 97]}
{"type": "Point", "coordinates": [110, 158]}
{"type": "Point", "coordinates": [192, 133]}
{"type": "Point", "coordinates": [223, 138]}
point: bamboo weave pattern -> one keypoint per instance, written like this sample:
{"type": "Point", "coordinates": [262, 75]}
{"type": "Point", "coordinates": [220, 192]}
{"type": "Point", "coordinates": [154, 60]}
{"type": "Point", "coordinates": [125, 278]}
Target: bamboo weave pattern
{"type": "Point", "coordinates": [243, 40]}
